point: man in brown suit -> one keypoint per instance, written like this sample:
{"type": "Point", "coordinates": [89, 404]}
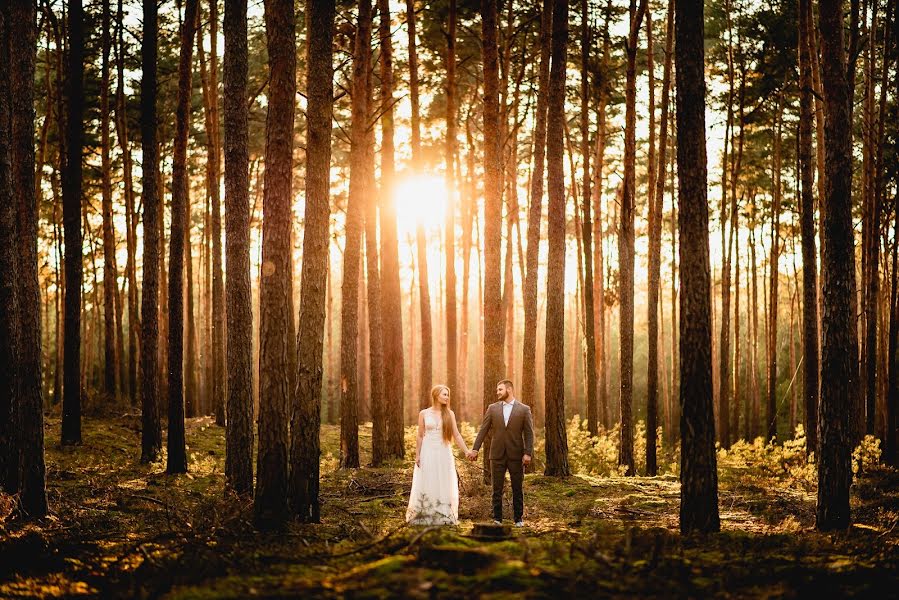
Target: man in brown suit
{"type": "Point", "coordinates": [511, 450]}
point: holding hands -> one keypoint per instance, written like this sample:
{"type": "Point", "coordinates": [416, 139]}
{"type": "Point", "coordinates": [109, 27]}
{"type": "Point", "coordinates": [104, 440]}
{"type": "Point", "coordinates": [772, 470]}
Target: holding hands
{"type": "Point", "coordinates": [472, 455]}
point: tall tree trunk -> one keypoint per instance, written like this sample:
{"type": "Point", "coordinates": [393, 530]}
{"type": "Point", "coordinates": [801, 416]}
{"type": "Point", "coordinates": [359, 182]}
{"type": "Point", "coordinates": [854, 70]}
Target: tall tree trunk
{"type": "Point", "coordinates": [176, 458]}
{"type": "Point", "coordinates": [191, 383]}
{"type": "Point", "coordinates": [111, 361]}
{"type": "Point", "coordinates": [599, 292]}
{"type": "Point", "coordinates": [213, 174]}
{"type": "Point", "coordinates": [391, 317]}
{"type": "Point", "coordinates": [374, 298]}
{"type": "Point", "coordinates": [752, 421]}
{"type": "Point", "coordinates": [121, 123]}
{"type": "Point", "coordinates": [452, 341]}
{"type": "Point", "coordinates": [587, 194]}
{"type": "Point", "coordinates": [10, 316]}
{"type": "Point", "coordinates": [424, 295]}
{"type": "Point", "coordinates": [277, 342]}
{"type": "Point", "coordinates": [872, 273]}
{"type": "Point", "coordinates": [494, 325]}
{"type": "Point", "coordinates": [774, 276]}
{"type": "Point", "coordinates": [33, 494]}
{"type": "Point", "coordinates": [151, 434]}
{"type": "Point", "coordinates": [556, 436]}
{"type": "Point", "coordinates": [305, 421]}
{"type": "Point", "coordinates": [892, 407]}
{"type": "Point", "coordinates": [807, 218]}
{"type": "Point", "coordinates": [71, 204]}
{"type": "Point", "coordinates": [698, 475]}
{"type": "Point", "coordinates": [655, 246]}
{"type": "Point", "coordinates": [880, 195]}
{"type": "Point", "coordinates": [535, 210]}
{"type": "Point", "coordinates": [626, 245]}
{"type": "Point", "coordinates": [424, 305]}
{"type": "Point", "coordinates": [349, 325]}
{"type": "Point", "coordinates": [837, 268]}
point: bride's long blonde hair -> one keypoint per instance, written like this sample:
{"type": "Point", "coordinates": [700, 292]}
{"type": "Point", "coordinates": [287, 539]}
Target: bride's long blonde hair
{"type": "Point", "coordinates": [444, 411]}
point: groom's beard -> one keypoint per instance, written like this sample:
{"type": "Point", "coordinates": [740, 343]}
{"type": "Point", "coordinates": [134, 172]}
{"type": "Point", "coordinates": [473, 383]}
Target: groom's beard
{"type": "Point", "coordinates": [502, 396]}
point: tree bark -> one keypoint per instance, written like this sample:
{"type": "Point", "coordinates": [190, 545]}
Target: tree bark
{"type": "Point", "coordinates": [424, 294]}
{"type": "Point", "coordinates": [10, 317]}
{"type": "Point", "coordinates": [698, 475]}
{"type": "Point", "coordinates": [110, 361]}
{"type": "Point", "coordinates": [277, 343]}
{"type": "Point", "coordinates": [807, 219]}
{"type": "Point", "coordinates": [452, 342]}
{"type": "Point", "coordinates": [655, 250]}
{"type": "Point", "coordinates": [131, 216]}
{"type": "Point", "coordinates": [349, 325]}
{"type": "Point", "coordinates": [392, 313]}
{"type": "Point", "coordinates": [626, 245]}
{"type": "Point", "coordinates": [151, 434]}
{"type": "Point", "coordinates": [71, 204]}
{"type": "Point", "coordinates": [535, 210]}
{"type": "Point", "coordinates": [837, 268]}
{"type": "Point", "coordinates": [305, 421]}
{"type": "Point", "coordinates": [587, 195]}
{"type": "Point", "coordinates": [377, 398]}
{"type": "Point", "coordinates": [494, 323]}
{"type": "Point", "coordinates": [556, 435]}
{"type": "Point", "coordinates": [176, 458]}
{"type": "Point", "coordinates": [774, 276]}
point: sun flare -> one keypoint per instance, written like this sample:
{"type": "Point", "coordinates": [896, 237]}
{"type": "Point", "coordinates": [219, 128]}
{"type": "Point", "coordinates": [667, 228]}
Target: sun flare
{"type": "Point", "coordinates": [421, 199]}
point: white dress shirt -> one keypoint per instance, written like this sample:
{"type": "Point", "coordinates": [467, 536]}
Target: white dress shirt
{"type": "Point", "coordinates": [507, 410]}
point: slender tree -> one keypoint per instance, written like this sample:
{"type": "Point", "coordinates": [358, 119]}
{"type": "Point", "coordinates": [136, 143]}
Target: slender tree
{"type": "Point", "coordinates": [698, 475]}
{"type": "Point", "coordinates": [214, 174]}
{"type": "Point", "coordinates": [375, 316]}
{"type": "Point", "coordinates": [176, 459]}
{"type": "Point", "coordinates": [110, 360]}
{"type": "Point", "coordinates": [807, 218]}
{"type": "Point", "coordinates": [238, 295]}
{"type": "Point", "coordinates": [837, 273]}
{"type": "Point", "coordinates": [71, 217]}
{"type": "Point", "coordinates": [452, 340]}
{"type": "Point", "coordinates": [494, 324]}
{"type": "Point", "coordinates": [349, 325]}
{"type": "Point", "coordinates": [392, 315]}
{"type": "Point", "coordinates": [655, 251]}
{"type": "Point", "coordinates": [535, 210]}
{"type": "Point", "coordinates": [556, 436]}
{"type": "Point", "coordinates": [10, 451]}
{"type": "Point", "coordinates": [587, 227]}
{"type": "Point", "coordinates": [121, 124]}
{"type": "Point", "coordinates": [151, 434]}
{"type": "Point", "coordinates": [304, 432]}
{"type": "Point", "coordinates": [277, 344]}
{"type": "Point", "coordinates": [424, 292]}
{"type": "Point", "coordinates": [626, 245]}
{"type": "Point", "coordinates": [774, 278]}
{"type": "Point", "coordinates": [22, 53]}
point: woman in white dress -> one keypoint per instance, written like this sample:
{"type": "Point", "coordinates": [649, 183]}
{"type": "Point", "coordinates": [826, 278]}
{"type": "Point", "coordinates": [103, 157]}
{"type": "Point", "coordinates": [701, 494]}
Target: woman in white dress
{"type": "Point", "coordinates": [434, 499]}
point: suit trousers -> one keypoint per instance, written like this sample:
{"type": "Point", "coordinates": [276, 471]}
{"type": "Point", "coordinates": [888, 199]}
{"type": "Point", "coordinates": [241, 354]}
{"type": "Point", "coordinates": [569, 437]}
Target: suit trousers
{"type": "Point", "coordinates": [498, 470]}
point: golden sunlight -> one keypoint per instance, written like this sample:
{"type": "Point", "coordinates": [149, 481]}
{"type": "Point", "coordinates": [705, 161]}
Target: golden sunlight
{"type": "Point", "coordinates": [419, 198]}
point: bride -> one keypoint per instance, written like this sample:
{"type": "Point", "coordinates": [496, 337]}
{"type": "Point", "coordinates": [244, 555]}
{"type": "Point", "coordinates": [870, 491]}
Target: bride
{"type": "Point", "coordinates": [434, 499]}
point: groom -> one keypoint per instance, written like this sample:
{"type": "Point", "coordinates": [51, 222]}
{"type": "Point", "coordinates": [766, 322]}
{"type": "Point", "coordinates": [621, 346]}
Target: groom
{"type": "Point", "coordinates": [511, 449]}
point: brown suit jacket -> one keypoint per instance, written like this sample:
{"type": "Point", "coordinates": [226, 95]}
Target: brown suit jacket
{"type": "Point", "coordinates": [510, 441]}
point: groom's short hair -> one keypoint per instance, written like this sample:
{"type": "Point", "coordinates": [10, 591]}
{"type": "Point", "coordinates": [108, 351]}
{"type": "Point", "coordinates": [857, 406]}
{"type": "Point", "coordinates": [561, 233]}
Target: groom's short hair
{"type": "Point", "coordinates": [507, 383]}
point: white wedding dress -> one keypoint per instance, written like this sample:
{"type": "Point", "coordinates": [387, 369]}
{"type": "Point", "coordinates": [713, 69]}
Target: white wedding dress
{"type": "Point", "coordinates": [434, 499]}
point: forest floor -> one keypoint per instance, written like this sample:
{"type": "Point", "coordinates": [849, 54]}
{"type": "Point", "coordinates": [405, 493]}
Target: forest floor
{"type": "Point", "coordinates": [121, 529]}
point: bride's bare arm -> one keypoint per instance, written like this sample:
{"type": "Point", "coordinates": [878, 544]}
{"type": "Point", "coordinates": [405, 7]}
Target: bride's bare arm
{"type": "Point", "coordinates": [458, 436]}
{"type": "Point", "coordinates": [421, 435]}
